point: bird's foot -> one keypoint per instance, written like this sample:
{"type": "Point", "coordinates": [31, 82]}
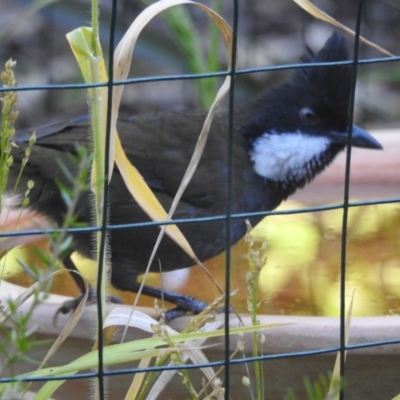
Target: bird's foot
{"type": "Point", "coordinates": [185, 305]}
{"type": "Point", "coordinates": [72, 305]}
{"type": "Point", "coordinates": [191, 305]}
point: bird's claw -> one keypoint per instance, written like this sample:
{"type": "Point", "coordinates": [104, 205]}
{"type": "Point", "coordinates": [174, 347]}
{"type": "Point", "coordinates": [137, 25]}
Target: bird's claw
{"type": "Point", "coordinates": [72, 305]}
{"type": "Point", "coordinates": [185, 304]}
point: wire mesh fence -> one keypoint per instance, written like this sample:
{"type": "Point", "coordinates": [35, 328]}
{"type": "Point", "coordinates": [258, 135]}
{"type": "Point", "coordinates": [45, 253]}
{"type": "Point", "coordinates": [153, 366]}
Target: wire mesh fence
{"type": "Point", "coordinates": [225, 360]}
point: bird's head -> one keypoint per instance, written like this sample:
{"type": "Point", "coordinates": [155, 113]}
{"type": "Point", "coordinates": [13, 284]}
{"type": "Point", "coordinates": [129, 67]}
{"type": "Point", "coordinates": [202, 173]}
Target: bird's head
{"type": "Point", "coordinates": [298, 127]}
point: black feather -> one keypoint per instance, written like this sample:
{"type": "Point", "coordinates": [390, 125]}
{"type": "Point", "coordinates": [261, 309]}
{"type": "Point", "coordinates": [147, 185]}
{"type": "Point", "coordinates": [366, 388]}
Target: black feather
{"type": "Point", "coordinates": [160, 145]}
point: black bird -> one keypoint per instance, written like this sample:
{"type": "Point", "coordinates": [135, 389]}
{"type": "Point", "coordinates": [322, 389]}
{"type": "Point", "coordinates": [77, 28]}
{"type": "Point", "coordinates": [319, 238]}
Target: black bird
{"type": "Point", "coordinates": [281, 141]}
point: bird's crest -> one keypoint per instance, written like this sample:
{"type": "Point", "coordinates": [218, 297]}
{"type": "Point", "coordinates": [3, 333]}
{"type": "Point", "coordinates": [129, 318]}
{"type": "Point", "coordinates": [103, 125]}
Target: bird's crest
{"type": "Point", "coordinates": [332, 82]}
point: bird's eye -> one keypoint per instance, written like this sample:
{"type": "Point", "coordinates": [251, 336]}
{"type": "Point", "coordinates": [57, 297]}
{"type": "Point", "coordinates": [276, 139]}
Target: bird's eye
{"type": "Point", "coordinates": [308, 116]}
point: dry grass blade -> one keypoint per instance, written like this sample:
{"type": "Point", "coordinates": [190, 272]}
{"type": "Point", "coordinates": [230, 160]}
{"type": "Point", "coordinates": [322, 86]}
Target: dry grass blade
{"type": "Point", "coordinates": [190, 349]}
{"type": "Point", "coordinates": [26, 294]}
{"type": "Point", "coordinates": [122, 62]}
{"type": "Point", "coordinates": [82, 47]}
{"type": "Point", "coordinates": [81, 44]}
{"type": "Point", "coordinates": [133, 180]}
{"type": "Point", "coordinates": [136, 319]}
{"type": "Point", "coordinates": [70, 326]}
{"type": "Point", "coordinates": [137, 382]}
{"type": "Point", "coordinates": [145, 197]}
{"type": "Point", "coordinates": [317, 13]}
{"type": "Point", "coordinates": [204, 322]}
{"type": "Point", "coordinates": [122, 317]}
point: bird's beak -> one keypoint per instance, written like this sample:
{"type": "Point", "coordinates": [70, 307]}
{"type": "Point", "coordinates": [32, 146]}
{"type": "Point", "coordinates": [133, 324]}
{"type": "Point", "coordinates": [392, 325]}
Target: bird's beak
{"type": "Point", "coordinates": [359, 138]}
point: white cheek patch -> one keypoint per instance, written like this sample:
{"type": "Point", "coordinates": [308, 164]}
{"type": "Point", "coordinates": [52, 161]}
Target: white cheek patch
{"type": "Point", "coordinates": [286, 156]}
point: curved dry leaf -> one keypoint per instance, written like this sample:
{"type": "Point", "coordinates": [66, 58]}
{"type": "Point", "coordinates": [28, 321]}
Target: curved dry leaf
{"type": "Point", "coordinates": [80, 44]}
{"type": "Point", "coordinates": [122, 316]}
{"type": "Point", "coordinates": [26, 294]}
{"type": "Point", "coordinates": [133, 180]}
{"type": "Point", "coordinates": [319, 14]}
{"type": "Point", "coordinates": [122, 62]}
{"type": "Point", "coordinates": [70, 326]}
{"type": "Point", "coordinates": [136, 185]}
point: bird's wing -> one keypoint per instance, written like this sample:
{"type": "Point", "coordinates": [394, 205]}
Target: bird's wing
{"type": "Point", "coordinates": [159, 145]}
{"type": "Point", "coordinates": [56, 144]}
{"type": "Point", "coordinates": [63, 135]}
